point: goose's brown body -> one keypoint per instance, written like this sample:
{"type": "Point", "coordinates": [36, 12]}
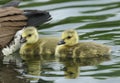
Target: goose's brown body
{"type": "Point", "coordinates": [10, 23]}
{"type": "Point", "coordinates": [13, 19]}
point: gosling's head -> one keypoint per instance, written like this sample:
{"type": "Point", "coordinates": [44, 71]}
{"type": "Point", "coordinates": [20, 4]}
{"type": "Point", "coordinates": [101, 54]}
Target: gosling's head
{"type": "Point", "coordinates": [69, 38]}
{"type": "Point", "coordinates": [29, 35]}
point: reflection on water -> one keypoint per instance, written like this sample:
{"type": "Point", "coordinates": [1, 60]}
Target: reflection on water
{"type": "Point", "coordinates": [71, 69]}
{"type": "Point", "coordinates": [40, 69]}
{"type": "Point", "coordinates": [33, 68]}
{"type": "Point", "coordinates": [95, 20]}
{"type": "Point", "coordinates": [72, 66]}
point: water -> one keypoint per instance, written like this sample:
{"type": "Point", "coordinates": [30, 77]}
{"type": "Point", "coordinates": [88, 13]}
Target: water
{"type": "Point", "coordinates": [94, 20]}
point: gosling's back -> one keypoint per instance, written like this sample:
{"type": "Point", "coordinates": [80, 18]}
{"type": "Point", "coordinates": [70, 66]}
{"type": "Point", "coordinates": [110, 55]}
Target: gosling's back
{"type": "Point", "coordinates": [83, 50]}
{"type": "Point", "coordinates": [48, 45]}
{"type": "Point", "coordinates": [42, 46]}
{"type": "Point", "coordinates": [91, 49]}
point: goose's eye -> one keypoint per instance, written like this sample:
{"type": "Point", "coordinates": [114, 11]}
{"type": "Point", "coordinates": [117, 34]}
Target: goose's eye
{"type": "Point", "coordinates": [68, 37]}
{"type": "Point", "coordinates": [29, 35]}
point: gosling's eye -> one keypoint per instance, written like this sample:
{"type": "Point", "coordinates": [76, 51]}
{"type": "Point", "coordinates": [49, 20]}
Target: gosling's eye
{"type": "Point", "coordinates": [68, 37]}
{"type": "Point", "coordinates": [29, 35]}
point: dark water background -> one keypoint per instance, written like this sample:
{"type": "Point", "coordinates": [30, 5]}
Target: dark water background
{"type": "Point", "coordinates": [94, 20]}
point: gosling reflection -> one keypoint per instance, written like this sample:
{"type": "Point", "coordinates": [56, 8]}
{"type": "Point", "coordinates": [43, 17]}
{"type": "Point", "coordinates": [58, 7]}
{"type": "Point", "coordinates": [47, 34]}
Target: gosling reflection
{"type": "Point", "coordinates": [72, 65]}
{"type": "Point", "coordinates": [71, 69]}
{"type": "Point", "coordinates": [32, 66]}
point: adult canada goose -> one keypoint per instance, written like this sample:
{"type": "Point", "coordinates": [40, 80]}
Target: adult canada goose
{"type": "Point", "coordinates": [13, 19]}
{"type": "Point", "coordinates": [33, 45]}
{"type": "Point", "coordinates": [70, 47]}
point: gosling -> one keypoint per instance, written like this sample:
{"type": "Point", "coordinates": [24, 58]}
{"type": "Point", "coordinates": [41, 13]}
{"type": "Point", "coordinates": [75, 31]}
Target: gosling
{"type": "Point", "coordinates": [69, 46]}
{"type": "Point", "coordinates": [33, 45]}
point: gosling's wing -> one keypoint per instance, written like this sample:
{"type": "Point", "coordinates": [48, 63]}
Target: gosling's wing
{"type": "Point", "coordinates": [13, 3]}
{"type": "Point", "coordinates": [36, 17]}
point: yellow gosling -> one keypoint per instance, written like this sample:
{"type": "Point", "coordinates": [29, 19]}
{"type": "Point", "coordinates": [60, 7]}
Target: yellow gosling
{"type": "Point", "coordinates": [70, 47]}
{"type": "Point", "coordinates": [33, 45]}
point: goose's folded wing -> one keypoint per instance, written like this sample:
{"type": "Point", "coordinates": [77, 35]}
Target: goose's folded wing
{"type": "Point", "coordinates": [11, 20]}
{"type": "Point", "coordinates": [36, 17]}
{"type": "Point", "coordinates": [5, 38]}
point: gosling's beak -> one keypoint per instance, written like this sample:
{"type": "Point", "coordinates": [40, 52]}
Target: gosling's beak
{"type": "Point", "coordinates": [23, 40]}
{"type": "Point", "coordinates": [61, 42]}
